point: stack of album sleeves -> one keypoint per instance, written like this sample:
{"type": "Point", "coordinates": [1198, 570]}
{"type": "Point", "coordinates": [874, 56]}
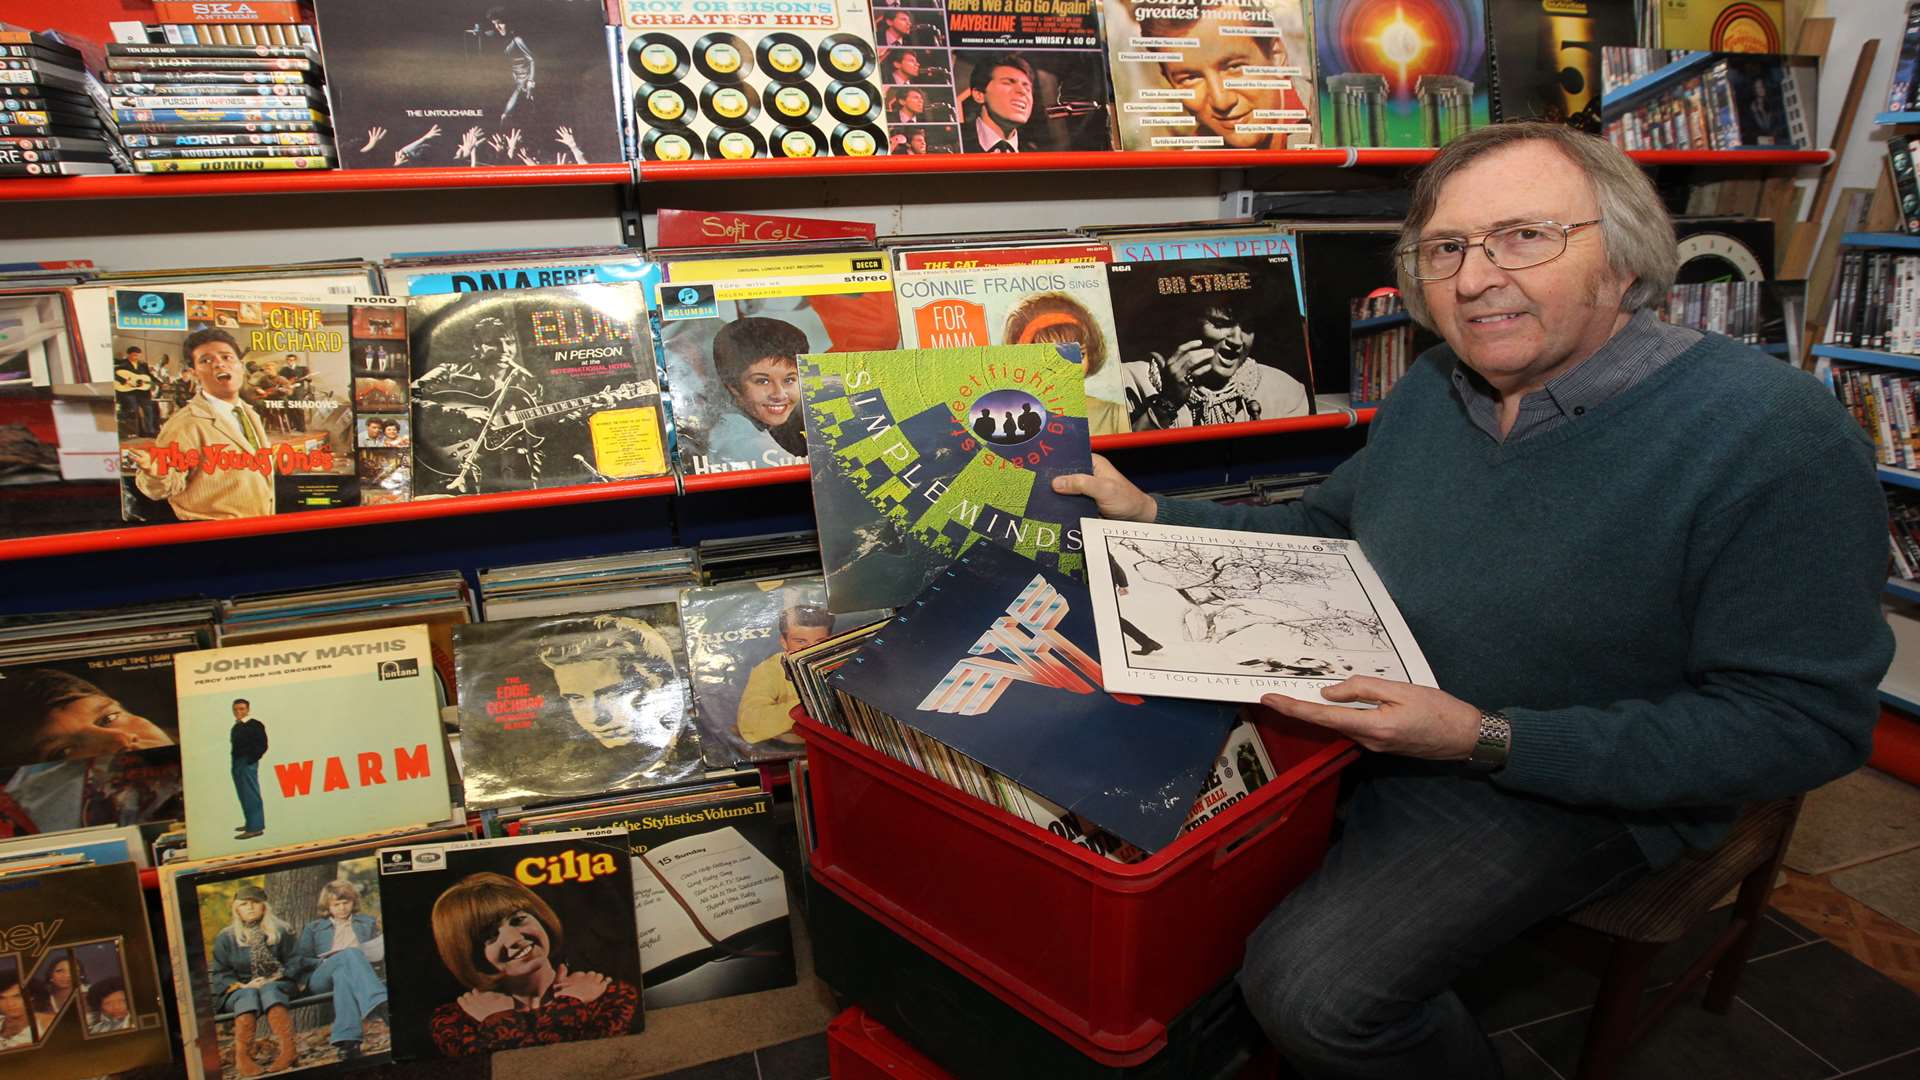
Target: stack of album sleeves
{"type": "Point", "coordinates": [48, 125]}
{"type": "Point", "coordinates": [219, 108]}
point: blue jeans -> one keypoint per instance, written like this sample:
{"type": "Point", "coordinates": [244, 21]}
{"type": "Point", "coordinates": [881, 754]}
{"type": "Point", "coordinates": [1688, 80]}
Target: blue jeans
{"type": "Point", "coordinates": [1351, 974]}
{"type": "Point", "coordinates": [357, 991]}
{"type": "Point", "coordinates": [246, 784]}
{"type": "Point", "coordinates": [248, 999]}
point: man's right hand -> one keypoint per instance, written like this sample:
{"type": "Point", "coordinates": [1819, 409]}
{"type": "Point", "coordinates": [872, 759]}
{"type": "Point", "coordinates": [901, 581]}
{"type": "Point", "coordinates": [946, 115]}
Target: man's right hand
{"type": "Point", "coordinates": [1114, 494]}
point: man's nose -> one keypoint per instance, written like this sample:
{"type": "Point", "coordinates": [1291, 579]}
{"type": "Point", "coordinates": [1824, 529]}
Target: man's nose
{"type": "Point", "coordinates": [1477, 273]}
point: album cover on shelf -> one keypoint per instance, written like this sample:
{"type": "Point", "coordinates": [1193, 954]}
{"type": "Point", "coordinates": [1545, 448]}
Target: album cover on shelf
{"type": "Point", "coordinates": [737, 634]}
{"type": "Point", "coordinates": [574, 705]}
{"type": "Point", "coordinates": [290, 741]}
{"type": "Point", "coordinates": [484, 927]}
{"type": "Point", "coordinates": [732, 330]}
{"type": "Point", "coordinates": [1217, 75]}
{"type": "Point", "coordinates": [1394, 75]}
{"type": "Point", "coordinates": [1548, 56]}
{"type": "Point", "coordinates": [449, 83]}
{"type": "Point", "coordinates": [532, 388]}
{"type": "Point", "coordinates": [917, 454]}
{"type": "Point", "coordinates": [237, 404]}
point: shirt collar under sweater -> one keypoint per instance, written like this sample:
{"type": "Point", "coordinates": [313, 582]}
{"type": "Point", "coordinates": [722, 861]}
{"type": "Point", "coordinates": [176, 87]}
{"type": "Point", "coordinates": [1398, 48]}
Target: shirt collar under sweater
{"type": "Point", "coordinates": [1641, 347]}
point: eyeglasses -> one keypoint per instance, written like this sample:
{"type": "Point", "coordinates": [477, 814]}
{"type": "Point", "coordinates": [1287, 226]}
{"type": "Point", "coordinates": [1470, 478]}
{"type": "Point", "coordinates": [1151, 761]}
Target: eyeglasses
{"type": "Point", "coordinates": [1510, 247]}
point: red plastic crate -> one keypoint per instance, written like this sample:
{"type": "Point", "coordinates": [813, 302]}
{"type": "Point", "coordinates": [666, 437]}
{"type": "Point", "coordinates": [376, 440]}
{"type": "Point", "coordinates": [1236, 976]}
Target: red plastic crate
{"type": "Point", "coordinates": [859, 1048]}
{"type": "Point", "coordinates": [1102, 954]}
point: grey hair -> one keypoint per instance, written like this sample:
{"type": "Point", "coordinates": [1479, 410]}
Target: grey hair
{"type": "Point", "coordinates": [1634, 222]}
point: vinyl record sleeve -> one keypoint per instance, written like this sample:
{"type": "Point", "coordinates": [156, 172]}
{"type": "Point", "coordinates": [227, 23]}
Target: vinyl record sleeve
{"type": "Point", "coordinates": [1429, 81]}
{"type": "Point", "coordinates": [574, 705]}
{"type": "Point", "coordinates": [1234, 76]}
{"type": "Point", "coordinates": [1229, 616]}
{"type": "Point", "coordinates": [546, 917]}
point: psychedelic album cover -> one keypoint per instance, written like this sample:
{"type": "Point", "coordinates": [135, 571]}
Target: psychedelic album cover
{"type": "Point", "coordinates": [308, 927]}
{"type": "Point", "coordinates": [89, 741]}
{"type": "Point", "coordinates": [733, 330]}
{"type": "Point", "coordinates": [1215, 75]}
{"type": "Point", "coordinates": [1229, 616]}
{"type": "Point", "coordinates": [1228, 311]}
{"type": "Point", "coordinates": [1750, 26]}
{"type": "Point", "coordinates": [572, 705]}
{"type": "Point", "coordinates": [1401, 72]}
{"type": "Point", "coordinates": [997, 660]}
{"type": "Point", "coordinates": [736, 635]}
{"type": "Point", "coordinates": [1065, 303]}
{"type": "Point", "coordinates": [738, 79]}
{"type": "Point", "coordinates": [966, 77]}
{"type": "Point", "coordinates": [290, 741]}
{"type": "Point", "coordinates": [449, 83]}
{"type": "Point", "coordinates": [916, 454]}
{"type": "Point", "coordinates": [1548, 52]}
{"type": "Point", "coordinates": [532, 388]}
{"type": "Point", "coordinates": [80, 966]}
{"type": "Point", "coordinates": [511, 942]}
{"type": "Point", "coordinates": [236, 405]}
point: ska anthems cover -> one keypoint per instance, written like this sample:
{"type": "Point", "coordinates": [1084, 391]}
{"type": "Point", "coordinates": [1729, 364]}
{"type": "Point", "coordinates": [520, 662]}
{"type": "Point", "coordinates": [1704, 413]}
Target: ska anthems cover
{"type": "Point", "coordinates": [235, 405]}
{"type": "Point", "coordinates": [916, 454]}
{"type": "Point", "coordinates": [533, 388]}
{"type": "Point", "coordinates": [1212, 330]}
{"type": "Point", "coordinates": [1213, 75]}
{"type": "Point", "coordinates": [997, 660]}
{"type": "Point", "coordinates": [454, 82]}
{"type": "Point", "coordinates": [1002, 76]}
{"type": "Point", "coordinates": [1063, 303]}
{"type": "Point", "coordinates": [89, 741]}
{"type": "Point", "coordinates": [572, 705]}
{"type": "Point", "coordinates": [79, 990]}
{"type": "Point", "coordinates": [736, 635]}
{"type": "Point", "coordinates": [736, 79]}
{"type": "Point", "coordinates": [509, 943]}
{"type": "Point", "coordinates": [291, 741]}
{"type": "Point", "coordinates": [733, 330]}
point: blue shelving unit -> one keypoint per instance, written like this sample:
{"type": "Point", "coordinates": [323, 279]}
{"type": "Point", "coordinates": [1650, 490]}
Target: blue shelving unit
{"type": "Point", "coordinates": [1379, 322]}
{"type": "Point", "coordinates": [1897, 118]}
{"type": "Point", "coordinates": [1869, 356]}
{"type": "Point", "coordinates": [1905, 590]}
{"type": "Point", "coordinates": [1899, 477]}
{"type": "Point", "coordinates": [1653, 80]}
{"type": "Point", "coordinates": [1880, 240]}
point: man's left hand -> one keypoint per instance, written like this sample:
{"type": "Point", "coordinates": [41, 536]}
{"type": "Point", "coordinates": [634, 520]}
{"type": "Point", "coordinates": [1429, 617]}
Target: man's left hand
{"type": "Point", "coordinates": [1413, 721]}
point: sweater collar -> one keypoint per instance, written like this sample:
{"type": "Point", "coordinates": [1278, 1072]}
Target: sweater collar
{"type": "Point", "coordinates": [1641, 347]}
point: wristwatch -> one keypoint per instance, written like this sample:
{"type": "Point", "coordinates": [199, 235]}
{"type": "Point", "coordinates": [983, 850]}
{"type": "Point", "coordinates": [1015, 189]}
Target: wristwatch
{"type": "Point", "coordinates": [1496, 739]}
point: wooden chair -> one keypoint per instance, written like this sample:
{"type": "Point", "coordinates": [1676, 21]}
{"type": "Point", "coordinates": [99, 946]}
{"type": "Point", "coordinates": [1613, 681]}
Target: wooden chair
{"type": "Point", "coordinates": [1640, 921]}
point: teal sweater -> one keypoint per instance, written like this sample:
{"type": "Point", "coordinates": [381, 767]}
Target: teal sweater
{"type": "Point", "coordinates": [1674, 598]}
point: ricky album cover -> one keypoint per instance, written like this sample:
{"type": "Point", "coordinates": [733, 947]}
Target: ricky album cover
{"type": "Point", "coordinates": [512, 942]}
{"type": "Point", "coordinates": [309, 738]}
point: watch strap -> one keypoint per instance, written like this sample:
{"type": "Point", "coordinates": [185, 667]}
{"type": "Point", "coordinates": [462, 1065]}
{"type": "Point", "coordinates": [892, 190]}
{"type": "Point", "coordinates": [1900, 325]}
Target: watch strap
{"type": "Point", "coordinates": [1495, 741]}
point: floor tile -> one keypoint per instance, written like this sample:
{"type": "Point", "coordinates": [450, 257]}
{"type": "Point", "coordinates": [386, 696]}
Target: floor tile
{"type": "Point", "coordinates": [800, 1059]}
{"type": "Point", "coordinates": [1521, 1063]}
{"type": "Point", "coordinates": [737, 1067]}
{"type": "Point", "coordinates": [1843, 1010]}
{"type": "Point", "coordinates": [1525, 982]}
{"type": "Point", "coordinates": [1689, 1043]}
{"type": "Point", "coordinates": [1675, 959]}
{"type": "Point", "coordinates": [1792, 926]}
{"type": "Point", "coordinates": [1904, 1067]}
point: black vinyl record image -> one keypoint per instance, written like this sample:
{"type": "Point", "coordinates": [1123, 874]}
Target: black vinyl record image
{"type": "Point", "coordinates": [726, 144]}
{"type": "Point", "coordinates": [796, 103]}
{"type": "Point", "coordinates": [730, 105]}
{"type": "Point", "coordinates": [670, 143]}
{"type": "Point", "coordinates": [664, 106]}
{"type": "Point", "coordinates": [853, 103]}
{"type": "Point", "coordinates": [797, 142]}
{"type": "Point", "coordinates": [658, 58]}
{"type": "Point", "coordinates": [862, 141]}
{"type": "Point", "coordinates": [847, 57]}
{"type": "Point", "coordinates": [784, 58]}
{"type": "Point", "coordinates": [722, 57]}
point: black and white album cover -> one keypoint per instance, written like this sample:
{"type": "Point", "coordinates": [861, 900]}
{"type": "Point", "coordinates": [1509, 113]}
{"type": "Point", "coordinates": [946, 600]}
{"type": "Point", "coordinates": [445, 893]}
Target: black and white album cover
{"type": "Point", "coordinates": [469, 82]}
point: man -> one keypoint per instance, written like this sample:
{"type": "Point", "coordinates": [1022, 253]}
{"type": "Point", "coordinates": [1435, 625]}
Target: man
{"type": "Point", "coordinates": [895, 30]}
{"type": "Point", "coordinates": [16, 1026]}
{"type": "Point", "coordinates": [1617, 598]}
{"type": "Point", "coordinates": [107, 1010]}
{"type": "Point", "coordinates": [766, 704]}
{"type": "Point", "coordinates": [907, 105]}
{"type": "Point", "coordinates": [53, 715]}
{"type": "Point", "coordinates": [214, 423]}
{"type": "Point", "coordinates": [1210, 378]}
{"type": "Point", "coordinates": [1000, 89]}
{"type": "Point", "coordinates": [248, 739]}
{"type": "Point", "coordinates": [1213, 76]}
{"type": "Point", "coordinates": [609, 678]}
{"type": "Point", "coordinates": [133, 384]}
{"type": "Point", "coordinates": [376, 433]}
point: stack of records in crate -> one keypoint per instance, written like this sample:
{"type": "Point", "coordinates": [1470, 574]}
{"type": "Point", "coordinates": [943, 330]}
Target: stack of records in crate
{"type": "Point", "coordinates": [48, 125]}
{"type": "Point", "coordinates": [573, 585]}
{"type": "Point", "coordinates": [219, 108]}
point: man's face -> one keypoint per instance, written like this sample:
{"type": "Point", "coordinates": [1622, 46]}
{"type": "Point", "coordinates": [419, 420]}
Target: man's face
{"type": "Point", "coordinates": [93, 725]}
{"type": "Point", "coordinates": [219, 370]}
{"type": "Point", "coordinates": [373, 429]}
{"type": "Point", "coordinates": [1220, 330]}
{"type": "Point", "coordinates": [340, 907]}
{"type": "Point", "coordinates": [1520, 328]}
{"type": "Point", "coordinates": [1204, 71]}
{"type": "Point", "coordinates": [13, 1004]}
{"type": "Point", "coordinates": [1009, 97]}
{"type": "Point", "coordinates": [901, 22]}
{"type": "Point", "coordinates": [909, 65]}
{"type": "Point", "coordinates": [768, 390]}
{"type": "Point", "coordinates": [136, 358]}
{"type": "Point", "coordinates": [604, 700]}
{"type": "Point", "coordinates": [914, 102]}
{"type": "Point", "coordinates": [799, 637]}
{"type": "Point", "coordinates": [114, 1006]}
{"type": "Point", "coordinates": [918, 143]}
{"type": "Point", "coordinates": [240, 710]}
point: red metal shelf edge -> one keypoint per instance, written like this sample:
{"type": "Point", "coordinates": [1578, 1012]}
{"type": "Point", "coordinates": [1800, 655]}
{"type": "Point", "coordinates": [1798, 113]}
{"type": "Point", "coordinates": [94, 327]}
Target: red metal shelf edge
{"type": "Point", "coordinates": [36, 547]}
{"type": "Point", "coordinates": [799, 474]}
{"type": "Point", "coordinates": [1732, 157]}
{"type": "Point", "coordinates": [124, 186]}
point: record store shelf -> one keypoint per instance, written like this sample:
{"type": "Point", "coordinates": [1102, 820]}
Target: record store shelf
{"type": "Point", "coordinates": [1333, 417]}
{"type": "Point", "coordinates": [295, 182]}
